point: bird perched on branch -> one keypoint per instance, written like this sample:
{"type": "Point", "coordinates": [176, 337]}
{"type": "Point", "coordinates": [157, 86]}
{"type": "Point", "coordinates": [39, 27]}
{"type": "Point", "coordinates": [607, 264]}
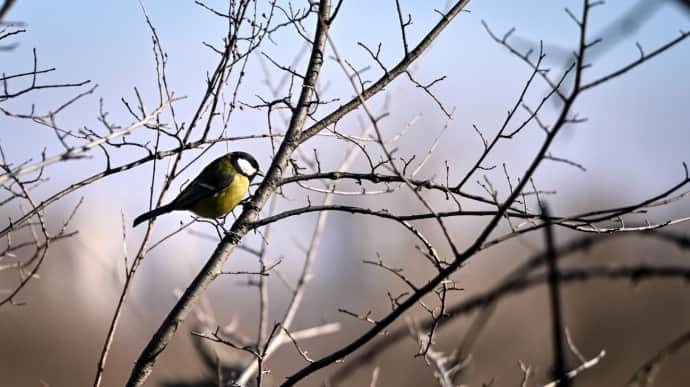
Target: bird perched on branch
{"type": "Point", "coordinates": [217, 189]}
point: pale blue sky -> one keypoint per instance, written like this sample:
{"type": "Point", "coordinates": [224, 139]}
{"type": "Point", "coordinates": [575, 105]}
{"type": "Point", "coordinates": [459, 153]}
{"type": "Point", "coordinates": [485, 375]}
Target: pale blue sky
{"type": "Point", "coordinates": [638, 130]}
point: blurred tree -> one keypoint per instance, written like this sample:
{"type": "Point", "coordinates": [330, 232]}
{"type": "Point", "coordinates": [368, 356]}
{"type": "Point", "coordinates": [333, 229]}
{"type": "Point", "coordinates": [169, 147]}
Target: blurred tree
{"type": "Point", "coordinates": [404, 187]}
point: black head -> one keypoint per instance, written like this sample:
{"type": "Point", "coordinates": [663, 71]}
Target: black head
{"type": "Point", "coordinates": [245, 163]}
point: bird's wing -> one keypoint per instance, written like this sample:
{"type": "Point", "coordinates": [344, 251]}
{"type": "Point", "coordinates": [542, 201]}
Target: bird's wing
{"type": "Point", "coordinates": [209, 182]}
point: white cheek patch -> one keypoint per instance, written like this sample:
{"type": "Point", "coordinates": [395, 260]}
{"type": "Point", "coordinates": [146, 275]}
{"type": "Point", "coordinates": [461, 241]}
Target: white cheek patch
{"type": "Point", "coordinates": [246, 167]}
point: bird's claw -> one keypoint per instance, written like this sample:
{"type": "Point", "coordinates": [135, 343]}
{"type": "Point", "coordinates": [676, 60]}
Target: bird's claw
{"type": "Point", "coordinates": [248, 205]}
{"type": "Point", "coordinates": [234, 238]}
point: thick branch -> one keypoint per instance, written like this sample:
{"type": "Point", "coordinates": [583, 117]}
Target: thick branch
{"type": "Point", "coordinates": [401, 68]}
{"type": "Point", "coordinates": [165, 333]}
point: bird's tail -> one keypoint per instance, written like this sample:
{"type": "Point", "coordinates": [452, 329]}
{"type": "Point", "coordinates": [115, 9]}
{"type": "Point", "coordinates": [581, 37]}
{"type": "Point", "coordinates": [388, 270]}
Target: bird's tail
{"type": "Point", "coordinates": [152, 214]}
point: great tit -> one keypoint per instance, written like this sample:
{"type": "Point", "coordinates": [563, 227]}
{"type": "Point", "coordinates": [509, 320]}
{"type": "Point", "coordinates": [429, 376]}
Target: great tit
{"type": "Point", "coordinates": [216, 191]}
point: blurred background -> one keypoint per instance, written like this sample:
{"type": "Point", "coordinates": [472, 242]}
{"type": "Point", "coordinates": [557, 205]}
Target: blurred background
{"type": "Point", "coordinates": [634, 141]}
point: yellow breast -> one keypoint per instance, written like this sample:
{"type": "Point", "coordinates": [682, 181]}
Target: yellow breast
{"type": "Point", "coordinates": [224, 201]}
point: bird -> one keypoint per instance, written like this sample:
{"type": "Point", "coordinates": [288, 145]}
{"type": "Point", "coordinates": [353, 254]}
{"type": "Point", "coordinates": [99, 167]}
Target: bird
{"type": "Point", "coordinates": [220, 187]}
